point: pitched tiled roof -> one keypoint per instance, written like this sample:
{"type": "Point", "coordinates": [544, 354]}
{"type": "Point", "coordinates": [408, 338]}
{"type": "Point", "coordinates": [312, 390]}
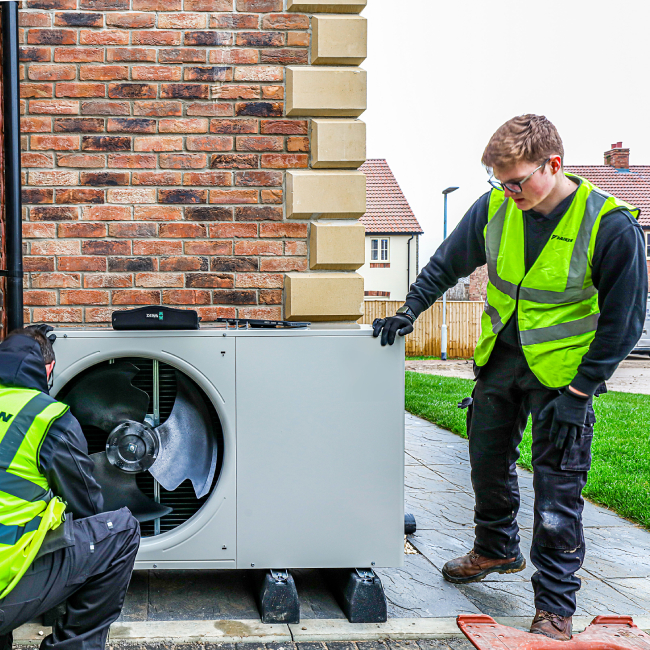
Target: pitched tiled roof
{"type": "Point", "coordinates": [631, 185]}
{"type": "Point", "coordinates": [387, 208]}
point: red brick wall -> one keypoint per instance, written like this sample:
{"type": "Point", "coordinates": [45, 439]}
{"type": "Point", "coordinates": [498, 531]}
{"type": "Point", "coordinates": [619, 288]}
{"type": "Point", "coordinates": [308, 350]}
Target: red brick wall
{"type": "Point", "coordinates": [154, 144]}
{"type": "Point", "coordinates": [478, 284]}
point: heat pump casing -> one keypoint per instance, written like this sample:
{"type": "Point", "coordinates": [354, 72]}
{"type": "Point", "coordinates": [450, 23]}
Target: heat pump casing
{"type": "Point", "coordinates": [313, 432]}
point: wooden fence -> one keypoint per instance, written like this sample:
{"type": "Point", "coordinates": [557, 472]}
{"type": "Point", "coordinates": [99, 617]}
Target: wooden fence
{"type": "Point", "coordinates": [463, 326]}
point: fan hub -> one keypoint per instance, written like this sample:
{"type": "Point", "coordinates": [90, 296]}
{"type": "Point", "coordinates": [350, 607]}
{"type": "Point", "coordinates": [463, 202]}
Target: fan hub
{"type": "Point", "coordinates": [132, 446]}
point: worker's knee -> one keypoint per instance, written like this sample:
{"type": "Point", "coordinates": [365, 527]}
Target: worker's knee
{"type": "Point", "coordinates": [558, 510]}
{"type": "Point", "coordinates": [130, 525]}
{"type": "Point", "coordinates": [120, 525]}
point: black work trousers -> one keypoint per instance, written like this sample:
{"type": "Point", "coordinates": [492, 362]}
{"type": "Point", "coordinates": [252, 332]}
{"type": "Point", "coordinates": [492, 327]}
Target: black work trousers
{"type": "Point", "coordinates": [92, 576]}
{"type": "Point", "coordinates": [506, 393]}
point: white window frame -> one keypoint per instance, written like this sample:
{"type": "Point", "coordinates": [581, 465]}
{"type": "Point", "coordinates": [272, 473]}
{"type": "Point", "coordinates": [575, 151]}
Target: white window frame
{"type": "Point", "coordinates": [647, 244]}
{"type": "Point", "coordinates": [380, 250]}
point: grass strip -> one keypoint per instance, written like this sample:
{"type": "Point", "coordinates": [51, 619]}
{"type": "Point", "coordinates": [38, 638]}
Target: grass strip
{"type": "Point", "coordinates": [620, 472]}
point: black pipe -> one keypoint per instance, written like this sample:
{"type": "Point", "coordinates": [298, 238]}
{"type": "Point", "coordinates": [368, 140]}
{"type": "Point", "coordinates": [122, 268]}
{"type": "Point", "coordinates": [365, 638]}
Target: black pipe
{"type": "Point", "coordinates": [13, 207]}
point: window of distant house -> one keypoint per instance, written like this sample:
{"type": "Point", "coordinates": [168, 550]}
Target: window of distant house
{"type": "Point", "coordinates": [647, 248]}
{"type": "Point", "coordinates": [379, 250]}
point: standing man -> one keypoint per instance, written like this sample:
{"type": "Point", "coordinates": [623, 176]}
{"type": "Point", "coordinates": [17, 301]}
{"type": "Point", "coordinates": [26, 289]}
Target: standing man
{"type": "Point", "coordinates": [565, 304]}
{"type": "Point", "coordinates": [55, 546]}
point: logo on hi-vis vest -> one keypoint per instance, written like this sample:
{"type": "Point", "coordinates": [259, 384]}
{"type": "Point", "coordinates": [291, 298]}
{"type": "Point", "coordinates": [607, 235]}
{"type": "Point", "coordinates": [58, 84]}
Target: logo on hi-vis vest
{"type": "Point", "coordinates": [561, 238]}
{"type": "Point", "coordinates": [5, 417]}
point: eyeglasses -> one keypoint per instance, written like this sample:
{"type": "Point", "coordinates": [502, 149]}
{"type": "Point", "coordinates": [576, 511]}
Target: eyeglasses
{"type": "Point", "coordinates": [514, 186]}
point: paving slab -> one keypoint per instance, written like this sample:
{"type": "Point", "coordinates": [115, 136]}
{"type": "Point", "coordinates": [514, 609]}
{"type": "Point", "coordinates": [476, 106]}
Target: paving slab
{"type": "Point", "coordinates": [198, 631]}
{"type": "Point", "coordinates": [418, 590]}
{"type": "Point", "coordinates": [316, 600]}
{"type": "Point", "coordinates": [617, 558]}
{"type": "Point", "coordinates": [394, 628]}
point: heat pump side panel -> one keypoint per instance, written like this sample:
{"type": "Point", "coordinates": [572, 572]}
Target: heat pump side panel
{"type": "Point", "coordinates": [320, 459]}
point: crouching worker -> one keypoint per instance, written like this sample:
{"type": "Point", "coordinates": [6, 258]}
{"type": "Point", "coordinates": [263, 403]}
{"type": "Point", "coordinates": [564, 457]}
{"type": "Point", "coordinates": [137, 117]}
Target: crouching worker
{"type": "Point", "coordinates": [56, 545]}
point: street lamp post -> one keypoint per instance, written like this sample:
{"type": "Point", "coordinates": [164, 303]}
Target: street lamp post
{"type": "Point", "coordinates": [443, 333]}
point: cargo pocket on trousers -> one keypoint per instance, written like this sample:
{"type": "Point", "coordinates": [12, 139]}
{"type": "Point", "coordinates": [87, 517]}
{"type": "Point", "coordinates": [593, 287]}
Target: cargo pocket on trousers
{"type": "Point", "coordinates": [88, 532]}
{"type": "Point", "coordinates": [578, 458]}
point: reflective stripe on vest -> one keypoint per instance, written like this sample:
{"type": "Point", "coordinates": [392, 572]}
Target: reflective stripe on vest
{"type": "Point", "coordinates": [556, 301]}
{"type": "Point", "coordinates": [9, 535]}
{"type": "Point", "coordinates": [28, 509]}
{"type": "Point", "coordinates": [21, 488]}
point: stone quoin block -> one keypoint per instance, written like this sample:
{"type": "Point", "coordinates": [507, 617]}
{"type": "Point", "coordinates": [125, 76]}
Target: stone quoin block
{"type": "Point", "coordinates": [338, 143]}
{"type": "Point", "coordinates": [325, 194]}
{"type": "Point", "coordinates": [337, 247]}
{"type": "Point", "coordinates": [323, 296]}
{"type": "Point", "coordinates": [327, 6]}
{"type": "Point", "coordinates": [339, 40]}
{"type": "Point", "coordinates": [326, 91]}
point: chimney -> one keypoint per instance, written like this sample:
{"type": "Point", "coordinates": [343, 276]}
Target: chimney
{"type": "Point", "coordinates": [618, 157]}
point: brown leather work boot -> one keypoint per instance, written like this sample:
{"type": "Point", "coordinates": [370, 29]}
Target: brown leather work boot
{"type": "Point", "coordinates": [474, 567]}
{"type": "Point", "coordinates": [551, 625]}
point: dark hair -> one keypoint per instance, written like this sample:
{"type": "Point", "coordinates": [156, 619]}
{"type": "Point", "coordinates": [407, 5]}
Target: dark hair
{"type": "Point", "coordinates": [46, 345]}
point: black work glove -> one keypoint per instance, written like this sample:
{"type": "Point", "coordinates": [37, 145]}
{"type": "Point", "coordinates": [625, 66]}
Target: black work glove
{"type": "Point", "coordinates": [45, 331]}
{"type": "Point", "coordinates": [568, 413]}
{"type": "Point", "coordinates": [389, 327]}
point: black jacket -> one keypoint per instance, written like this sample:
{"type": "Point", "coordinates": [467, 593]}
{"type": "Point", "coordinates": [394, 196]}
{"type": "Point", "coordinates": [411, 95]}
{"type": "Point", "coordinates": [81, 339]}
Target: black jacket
{"type": "Point", "coordinates": [63, 457]}
{"type": "Point", "coordinates": [619, 273]}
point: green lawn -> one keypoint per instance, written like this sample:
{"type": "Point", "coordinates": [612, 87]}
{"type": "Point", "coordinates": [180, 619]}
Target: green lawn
{"type": "Point", "coordinates": [421, 358]}
{"type": "Point", "coordinates": [620, 474]}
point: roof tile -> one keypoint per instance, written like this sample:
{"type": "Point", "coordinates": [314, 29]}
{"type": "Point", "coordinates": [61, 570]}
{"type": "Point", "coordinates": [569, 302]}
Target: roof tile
{"type": "Point", "coordinates": [388, 210]}
{"type": "Point", "coordinates": [631, 185]}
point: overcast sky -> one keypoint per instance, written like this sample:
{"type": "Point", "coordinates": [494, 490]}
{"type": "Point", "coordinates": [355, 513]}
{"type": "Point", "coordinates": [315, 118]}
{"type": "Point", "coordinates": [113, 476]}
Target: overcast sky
{"type": "Point", "coordinates": [442, 76]}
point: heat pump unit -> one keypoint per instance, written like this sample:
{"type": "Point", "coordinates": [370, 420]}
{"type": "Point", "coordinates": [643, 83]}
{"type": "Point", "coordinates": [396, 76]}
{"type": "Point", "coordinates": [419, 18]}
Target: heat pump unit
{"type": "Point", "coordinates": [235, 448]}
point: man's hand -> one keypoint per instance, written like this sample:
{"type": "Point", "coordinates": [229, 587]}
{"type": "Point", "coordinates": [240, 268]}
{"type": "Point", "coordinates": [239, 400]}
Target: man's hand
{"type": "Point", "coordinates": [45, 330]}
{"type": "Point", "coordinates": [568, 413]}
{"type": "Point", "coordinates": [389, 327]}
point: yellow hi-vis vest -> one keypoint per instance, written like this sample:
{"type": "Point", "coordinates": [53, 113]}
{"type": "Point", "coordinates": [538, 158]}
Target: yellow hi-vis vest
{"type": "Point", "coordinates": [556, 301]}
{"type": "Point", "coordinates": [28, 509]}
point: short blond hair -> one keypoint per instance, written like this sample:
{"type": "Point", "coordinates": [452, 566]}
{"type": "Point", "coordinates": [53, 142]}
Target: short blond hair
{"type": "Point", "coordinates": [530, 138]}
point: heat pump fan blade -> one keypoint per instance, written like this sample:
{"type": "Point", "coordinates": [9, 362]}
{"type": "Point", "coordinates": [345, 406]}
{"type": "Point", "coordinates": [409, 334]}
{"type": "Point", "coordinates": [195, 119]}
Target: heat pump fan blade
{"type": "Point", "coordinates": [105, 397]}
{"type": "Point", "coordinates": [119, 489]}
{"type": "Point", "coordinates": [187, 444]}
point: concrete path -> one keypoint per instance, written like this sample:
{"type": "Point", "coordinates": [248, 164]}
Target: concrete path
{"type": "Point", "coordinates": [632, 375]}
{"type": "Point", "coordinates": [204, 607]}
{"type": "Point", "coordinates": [615, 575]}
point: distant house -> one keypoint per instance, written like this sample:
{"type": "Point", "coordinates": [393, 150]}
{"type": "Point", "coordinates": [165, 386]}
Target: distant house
{"type": "Point", "coordinates": [392, 235]}
{"type": "Point", "coordinates": [630, 183]}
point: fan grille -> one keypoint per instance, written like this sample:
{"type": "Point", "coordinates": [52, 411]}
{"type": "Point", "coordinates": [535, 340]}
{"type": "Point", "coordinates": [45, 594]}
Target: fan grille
{"type": "Point", "coordinates": [183, 499]}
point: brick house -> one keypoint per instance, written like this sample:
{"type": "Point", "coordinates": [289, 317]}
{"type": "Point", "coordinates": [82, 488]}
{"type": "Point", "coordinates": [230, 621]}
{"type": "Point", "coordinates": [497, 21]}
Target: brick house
{"type": "Point", "coordinates": [184, 152]}
{"type": "Point", "coordinates": [630, 183]}
{"type": "Point", "coordinates": [392, 235]}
